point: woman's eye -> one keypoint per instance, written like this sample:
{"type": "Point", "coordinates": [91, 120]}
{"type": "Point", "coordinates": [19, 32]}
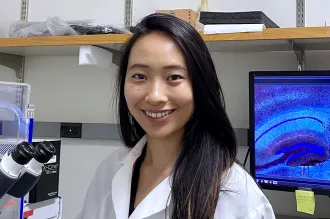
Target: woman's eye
{"type": "Point", "coordinates": [174, 77]}
{"type": "Point", "coordinates": [139, 76]}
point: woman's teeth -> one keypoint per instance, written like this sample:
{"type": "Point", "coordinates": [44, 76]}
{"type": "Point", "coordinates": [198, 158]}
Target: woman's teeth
{"type": "Point", "coordinates": [158, 115]}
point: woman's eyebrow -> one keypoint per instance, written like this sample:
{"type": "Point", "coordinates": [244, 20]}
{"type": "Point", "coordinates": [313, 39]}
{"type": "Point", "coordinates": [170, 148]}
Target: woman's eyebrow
{"type": "Point", "coordinates": [137, 65]}
{"type": "Point", "coordinates": [167, 67]}
{"type": "Point", "coordinates": [175, 67]}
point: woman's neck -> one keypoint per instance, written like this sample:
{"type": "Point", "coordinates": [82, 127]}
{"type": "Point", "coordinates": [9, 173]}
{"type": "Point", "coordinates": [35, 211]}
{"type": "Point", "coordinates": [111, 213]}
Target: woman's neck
{"type": "Point", "coordinates": [162, 153]}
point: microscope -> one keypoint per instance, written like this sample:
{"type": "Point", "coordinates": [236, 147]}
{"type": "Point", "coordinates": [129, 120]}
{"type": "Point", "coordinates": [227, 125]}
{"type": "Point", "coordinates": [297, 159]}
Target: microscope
{"type": "Point", "coordinates": [21, 168]}
{"type": "Point", "coordinates": [22, 160]}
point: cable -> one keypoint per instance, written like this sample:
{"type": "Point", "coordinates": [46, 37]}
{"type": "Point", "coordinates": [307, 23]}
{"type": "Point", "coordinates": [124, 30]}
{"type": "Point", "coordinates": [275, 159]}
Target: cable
{"type": "Point", "coordinates": [246, 157]}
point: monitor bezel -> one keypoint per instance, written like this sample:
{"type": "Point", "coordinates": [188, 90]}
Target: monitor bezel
{"type": "Point", "coordinates": [251, 135]}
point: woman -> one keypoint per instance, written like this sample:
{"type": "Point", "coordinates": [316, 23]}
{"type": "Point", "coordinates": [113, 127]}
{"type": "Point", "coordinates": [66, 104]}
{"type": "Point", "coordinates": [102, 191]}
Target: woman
{"type": "Point", "coordinates": [181, 161]}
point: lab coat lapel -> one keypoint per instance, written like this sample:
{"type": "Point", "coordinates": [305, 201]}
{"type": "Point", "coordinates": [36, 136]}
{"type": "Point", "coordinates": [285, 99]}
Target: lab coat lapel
{"type": "Point", "coordinates": [157, 200]}
{"type": "Point", "coordinates": [121, 183]}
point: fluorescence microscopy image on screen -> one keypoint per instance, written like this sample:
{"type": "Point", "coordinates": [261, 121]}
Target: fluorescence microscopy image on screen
{"type": "Point", "coordinates": [292, 130]}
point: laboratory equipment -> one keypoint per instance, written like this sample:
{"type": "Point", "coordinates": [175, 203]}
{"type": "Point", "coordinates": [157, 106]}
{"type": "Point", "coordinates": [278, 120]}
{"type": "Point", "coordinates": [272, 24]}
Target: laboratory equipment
{"type": "Point", "coordinates": [11, 165]}
{"type": "Point", "coordinates": [31, 172]}
{"type": "Point", "coordinates": [16, 118]}
{"type": "Point", "coordinates": [21, 162]}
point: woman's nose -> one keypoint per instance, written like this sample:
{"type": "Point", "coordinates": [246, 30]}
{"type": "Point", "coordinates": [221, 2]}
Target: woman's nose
{"type": "Point", "coordinates": [156, 94]}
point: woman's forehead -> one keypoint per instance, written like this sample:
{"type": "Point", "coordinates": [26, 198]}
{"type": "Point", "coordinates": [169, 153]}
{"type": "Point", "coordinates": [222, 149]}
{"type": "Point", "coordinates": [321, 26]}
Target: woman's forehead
{"type": "Point", "coordinates": [157, 48]}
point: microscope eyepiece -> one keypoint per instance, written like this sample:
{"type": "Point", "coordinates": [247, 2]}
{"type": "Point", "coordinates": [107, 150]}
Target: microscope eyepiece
{"type": "Point", "coordinates": [23, 153]}
{"type": "Point", "coordinates": [44, 152]}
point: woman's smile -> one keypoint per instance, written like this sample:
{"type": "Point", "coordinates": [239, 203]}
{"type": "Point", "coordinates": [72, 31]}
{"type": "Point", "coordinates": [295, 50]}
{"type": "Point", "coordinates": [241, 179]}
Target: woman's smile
{"type": "Point", "coordinates": [158, 115]}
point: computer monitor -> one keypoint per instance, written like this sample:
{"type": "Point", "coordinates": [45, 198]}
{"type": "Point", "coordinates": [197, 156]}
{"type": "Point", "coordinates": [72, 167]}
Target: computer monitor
{"type": "Point", "coordinates": [289, 136]}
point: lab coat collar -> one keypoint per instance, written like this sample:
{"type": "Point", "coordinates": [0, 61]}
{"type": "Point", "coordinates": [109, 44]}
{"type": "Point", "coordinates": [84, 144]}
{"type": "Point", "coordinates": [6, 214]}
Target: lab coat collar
{"type": "Point", "coordinates": [135, 152]}
{"type": "Point", "coordinates": [157, 200]}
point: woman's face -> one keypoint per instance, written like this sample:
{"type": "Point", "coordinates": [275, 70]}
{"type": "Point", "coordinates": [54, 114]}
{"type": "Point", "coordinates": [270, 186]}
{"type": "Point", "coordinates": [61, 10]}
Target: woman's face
{"type": "Point", "coordinates": [158, 90]}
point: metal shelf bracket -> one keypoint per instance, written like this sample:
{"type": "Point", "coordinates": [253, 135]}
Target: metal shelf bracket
{"type": "Point", "coordinates": [300, 13]}
{"type": "Point", "coordinates": [128, 13]}
{"type": "Point", "coordinates": [14, 62]}
{"type": "Point", "coordinates": [116, 56]}
{"type": "Point", "coordinates": [300, 54]}
{"type": "Point", "coordinates": [300, 22]}
{"type": "Point", "coordinates": [24, 10]}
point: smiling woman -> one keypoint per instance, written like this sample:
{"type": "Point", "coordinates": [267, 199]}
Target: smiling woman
{"type": "Point", "coordinates": [181, 148]}
{"type": "Point", "coordinates": [158, 89]}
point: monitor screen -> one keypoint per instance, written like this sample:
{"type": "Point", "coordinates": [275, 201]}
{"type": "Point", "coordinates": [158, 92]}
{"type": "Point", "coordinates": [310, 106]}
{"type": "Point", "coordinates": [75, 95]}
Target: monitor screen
{"type": "Point", "coordinates": [290, 130]}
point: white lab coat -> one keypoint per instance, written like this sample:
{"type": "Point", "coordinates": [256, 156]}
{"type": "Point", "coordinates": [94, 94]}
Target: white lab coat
{"type": "Point", "coordinates": [108, 195]}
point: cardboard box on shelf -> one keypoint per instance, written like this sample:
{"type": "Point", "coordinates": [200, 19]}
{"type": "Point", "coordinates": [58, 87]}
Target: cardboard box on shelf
{"type": "Point", "coordinates": [187, 15]}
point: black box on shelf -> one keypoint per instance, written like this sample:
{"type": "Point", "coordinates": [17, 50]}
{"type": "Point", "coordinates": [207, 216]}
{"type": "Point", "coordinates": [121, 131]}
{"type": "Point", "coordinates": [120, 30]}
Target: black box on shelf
{"type": "Point", "coordinates": [244, 17]}
{"type": "Point", "coordinates": [48, 184]}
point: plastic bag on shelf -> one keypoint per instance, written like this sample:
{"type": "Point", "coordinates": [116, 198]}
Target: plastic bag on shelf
{"type": "Point", "coordinates": [58, 27]}
{"type": "Point", "coordinates": [26, 29]}
{"type": "Point", "coordinates": [55, 26]}
{"type": "Point", "coordinates": [98, 29]}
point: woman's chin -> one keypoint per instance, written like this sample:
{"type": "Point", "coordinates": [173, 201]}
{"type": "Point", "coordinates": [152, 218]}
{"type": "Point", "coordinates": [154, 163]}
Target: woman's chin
{"type": "Point", "coordinates": [158, 134]}
{"type": "Point", "coordinates": [162, 133]}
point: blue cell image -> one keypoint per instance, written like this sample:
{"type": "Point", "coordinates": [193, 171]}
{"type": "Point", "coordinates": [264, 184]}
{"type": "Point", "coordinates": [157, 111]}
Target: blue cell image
{"type": "Point", "coordinates": [292, 131]}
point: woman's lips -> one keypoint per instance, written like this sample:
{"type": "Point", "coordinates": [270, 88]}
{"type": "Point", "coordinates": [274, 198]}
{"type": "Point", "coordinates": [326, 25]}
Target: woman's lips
{"type": "Point", "coordinates": [157, 115]}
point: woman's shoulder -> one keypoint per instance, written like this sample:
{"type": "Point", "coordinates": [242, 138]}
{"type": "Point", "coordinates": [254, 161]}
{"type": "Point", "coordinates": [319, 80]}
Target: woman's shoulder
{"type": "Point", "coordinates": [114, 159]}
{"type": "Point", "coordinates": [239, 180]}
{"type": "Point", "coordinates": [243, 196]}
{"type": "Point", "coordinates": [109, 166]}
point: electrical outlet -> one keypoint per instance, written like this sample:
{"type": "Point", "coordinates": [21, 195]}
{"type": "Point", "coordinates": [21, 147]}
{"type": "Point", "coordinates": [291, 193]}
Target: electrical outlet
{"type": "Point", "coordinates": [71, 130]}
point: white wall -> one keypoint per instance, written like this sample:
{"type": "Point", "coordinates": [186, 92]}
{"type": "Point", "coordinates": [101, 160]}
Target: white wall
{"type": "Point", "coordinates": [9, 12]}
{"type": "Point", "coordinates": [83, 93]}
{"type": "Point", "coordinates": [317, 11]}
{"type": "Point", "coordinates": [102, 11]}
{"type": "Point", "coordinates": [63, 79]}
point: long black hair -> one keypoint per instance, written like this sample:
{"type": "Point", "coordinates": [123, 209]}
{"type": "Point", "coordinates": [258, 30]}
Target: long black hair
{"type": "Point", "coordinates": [209, 142]}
